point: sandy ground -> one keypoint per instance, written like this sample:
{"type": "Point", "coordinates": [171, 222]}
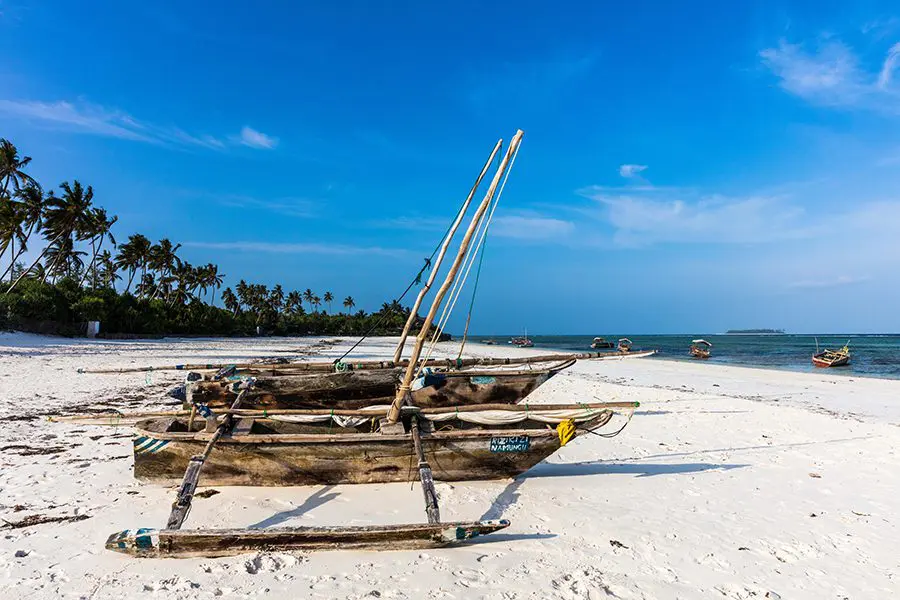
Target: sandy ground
{"type": "Point", "coordinates": [728, 483]}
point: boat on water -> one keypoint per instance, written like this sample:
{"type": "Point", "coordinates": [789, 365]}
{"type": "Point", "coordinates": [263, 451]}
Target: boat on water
{"type": "Point", "coordinates": [624, 345]}
{"type": "Point", "coordinates": [701, 349]}
{"type": "Point", "coordinates": [522, 342]}
{"type": "Point", "coordinates": [832, 358]}
{"type": "Point", "coordinates": [600, 342]}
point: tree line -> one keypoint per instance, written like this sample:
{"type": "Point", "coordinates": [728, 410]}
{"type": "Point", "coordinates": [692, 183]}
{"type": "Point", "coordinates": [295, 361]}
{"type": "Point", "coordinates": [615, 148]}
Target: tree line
{"type": "Point", "coordinates": [76, 275]}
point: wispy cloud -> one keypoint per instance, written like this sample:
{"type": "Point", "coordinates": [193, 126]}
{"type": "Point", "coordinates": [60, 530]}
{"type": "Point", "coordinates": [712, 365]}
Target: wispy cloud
{"type": "Point", "coordinates": [530, 226]}
{"type": "Point", "coordinates": [415, 223]}
{"type": "Point", "coordinates": [644, 215]}
{"type": "Point", "coordinates": [298, 248]}
{"type": "Point", "coordinates": [256, 139]}
{"type": "Point", "coordinates": [831, 74]}
{"type": "Point", "coordinates": [94, 119]}
{"type": "Point", "coordinates": [630, 171]}
{"type": "Point", "coordinates": [840, 281]}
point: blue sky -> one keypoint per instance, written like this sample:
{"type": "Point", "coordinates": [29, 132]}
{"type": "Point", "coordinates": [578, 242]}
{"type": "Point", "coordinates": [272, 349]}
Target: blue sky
{"type": "Point", "coordinates": [686, 168]}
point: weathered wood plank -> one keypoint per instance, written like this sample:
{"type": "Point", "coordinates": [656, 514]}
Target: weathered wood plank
{"type": "Point", "coordinates": [151, 543]}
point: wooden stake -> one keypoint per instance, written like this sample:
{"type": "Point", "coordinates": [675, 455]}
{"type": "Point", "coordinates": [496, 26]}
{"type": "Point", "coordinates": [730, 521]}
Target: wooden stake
{"type": "Point", "coordinates": [440, 257]}
{"type": "Point", "coordinates": [394, 413]}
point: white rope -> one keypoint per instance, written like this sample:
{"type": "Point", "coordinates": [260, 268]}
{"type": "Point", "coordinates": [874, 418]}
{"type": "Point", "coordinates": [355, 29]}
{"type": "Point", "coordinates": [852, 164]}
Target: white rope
{"type": "Point", "coordinates": [451, 302]}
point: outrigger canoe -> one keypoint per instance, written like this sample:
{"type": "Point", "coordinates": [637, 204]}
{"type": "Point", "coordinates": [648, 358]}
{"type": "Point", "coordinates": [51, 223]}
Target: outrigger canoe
{"type": "Point", "coordinates": [358, 389]}
{"type": "Point", "coordinates": [339, 447]}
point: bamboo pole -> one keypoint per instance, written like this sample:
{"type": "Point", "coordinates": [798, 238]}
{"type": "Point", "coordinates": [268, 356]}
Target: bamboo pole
{"type": "Point", "coordinates": [329, 367]}
{"type": "Point", "coordinates": [403, 389]}
{"type": "Point", "coordinates": [125, 418]}
{"type": "Point", "coordinates": [440, 257]}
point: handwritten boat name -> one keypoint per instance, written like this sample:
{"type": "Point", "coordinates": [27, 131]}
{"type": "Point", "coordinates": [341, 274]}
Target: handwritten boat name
{"type": "Point", "coordinates": [518, 443]}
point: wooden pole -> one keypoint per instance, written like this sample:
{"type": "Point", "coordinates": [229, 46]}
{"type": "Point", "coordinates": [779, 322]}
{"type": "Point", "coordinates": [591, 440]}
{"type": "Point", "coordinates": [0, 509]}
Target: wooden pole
{"type": "Point", "coordinates": [329, 367]}
{"type": "Point", "coordinates": [182, 505]}
{"type": "Point", "coordinates": [440, 257]}
{"type": "Point", "coordinates": [403, 389]}
{"type": "Point", "coordinates": [425, 477]}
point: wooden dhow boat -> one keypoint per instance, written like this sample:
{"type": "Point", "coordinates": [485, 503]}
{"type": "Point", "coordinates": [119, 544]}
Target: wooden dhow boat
{"type": "Point", "coordinates": [600, 342]}
{"type": "Point", "coordinates": [701, 349]}
{"type": "Point", "coordinates": [624, 345]}
{"type": "Point", "coordinates": [832, 358]}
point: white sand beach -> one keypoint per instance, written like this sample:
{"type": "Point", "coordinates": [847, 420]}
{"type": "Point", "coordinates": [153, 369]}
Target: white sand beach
{"type": "Point", "coordinates": [728, 483]}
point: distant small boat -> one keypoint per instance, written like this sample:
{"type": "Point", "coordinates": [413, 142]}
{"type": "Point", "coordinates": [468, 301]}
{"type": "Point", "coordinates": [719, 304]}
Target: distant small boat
{"type": "Point", "coordinates": [489, 342]}
{"type": "Point", "coordinates": [701, 349]}
{"type": "Point", "coordinates": [831, 358]}
{"type": "Point", "coordinates": [522, 342]}
{"type": "Point", "coordinates": [600, 342]}
{"type": "Point", "coordinates": [624, 345]}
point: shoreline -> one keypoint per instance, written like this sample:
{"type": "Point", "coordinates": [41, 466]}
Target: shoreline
{"type": "Point", "coordinates": [728, 482]}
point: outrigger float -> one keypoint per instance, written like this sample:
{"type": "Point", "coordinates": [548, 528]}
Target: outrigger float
{"type": "Point", "coordinates": [291, 447]}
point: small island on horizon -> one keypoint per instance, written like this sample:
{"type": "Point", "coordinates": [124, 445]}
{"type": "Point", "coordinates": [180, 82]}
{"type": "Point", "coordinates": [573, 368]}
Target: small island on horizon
{"type": "Point", "coordinates": [769, 331]}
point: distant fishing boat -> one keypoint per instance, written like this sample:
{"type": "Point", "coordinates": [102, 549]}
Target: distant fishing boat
{"type": "Point", "coordinates": [624, 345]}
{"type": "Point", "coordinates": [600, 342]}
{"type": "Point", "coordinates": [701, 349]}
{"type": "Point", "coordinates": [832, 358]}
{"type": "Point", "coordinates": [522, 342]}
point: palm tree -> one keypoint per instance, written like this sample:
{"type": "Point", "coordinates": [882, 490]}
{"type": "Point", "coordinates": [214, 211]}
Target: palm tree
{"type": "Point", "coordinates": [64, 217]}
{"type": "Point", "coordinates": [107, 269]}
{"type": "Point", "coordinates": [276, 298]}
{"type": "Point", "coordinates": [146, 285]}
{"type": "Point", "coordinates": [212, 279]}
{"type": "Point", "coordinates": [231, 302]}
{"type": "Point", "coordinates": [64, 259]}
{"type": "Point", "coordinates": [31, 208]}
{"type": "Point", "coordinates": [349, 303]}
{"type": "Point", "coordinates": [133, 255]}
{"type": "Point", "coordinates": [308, 296]}
{"type": "Point", "coordinates": [12, 218]}
{"type": "Point", "coordinates": [163, 259]}
{"type": "Point", "coordinates": [97, 229]}
{"type": "Point", "coordinates": [316, 302]}
{"type": "Point", "coordinates": [11, 166]}
{"type": "Point", "coordinates": [329, 298]}
{"type": "Point", "coordinates": [294, 301]}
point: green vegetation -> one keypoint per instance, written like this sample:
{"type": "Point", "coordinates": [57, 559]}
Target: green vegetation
{"type": "Point", "coordinates": [75, 276]}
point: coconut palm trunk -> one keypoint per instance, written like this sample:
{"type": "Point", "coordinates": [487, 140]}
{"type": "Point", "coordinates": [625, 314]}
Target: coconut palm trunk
{"type": "Point", "coordinates": [36, 261]}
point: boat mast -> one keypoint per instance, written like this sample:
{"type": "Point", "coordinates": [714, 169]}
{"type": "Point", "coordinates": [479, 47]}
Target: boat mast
{"type": "Point", "coordinates": [403, 390]}
{"type": "Point", "coordinates": [440, 257]}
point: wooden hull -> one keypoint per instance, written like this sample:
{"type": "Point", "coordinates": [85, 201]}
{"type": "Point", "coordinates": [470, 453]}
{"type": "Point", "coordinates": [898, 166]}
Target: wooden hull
{"type": "Point", "coordinates": [169, 543]}
{"type": "Point", "coordinates": [358, 389]}
{"type": "Point", "coordinates": [340, 458]}
{"type": "Point", "coordinates": [596, 345]}
{"type": "Point", "coordinates": [824, 361]}
{"type": "Point", "coordinates": [700, 353]}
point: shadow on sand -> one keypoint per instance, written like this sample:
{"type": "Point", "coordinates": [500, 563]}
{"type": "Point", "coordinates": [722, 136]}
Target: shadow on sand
{"type": "Point", "coordinates": [318, 498]}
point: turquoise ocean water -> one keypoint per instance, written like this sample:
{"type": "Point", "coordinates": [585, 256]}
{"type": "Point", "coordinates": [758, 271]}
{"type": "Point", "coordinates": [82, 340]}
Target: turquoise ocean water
{"type": "Point", "coordinates": [871, 355]}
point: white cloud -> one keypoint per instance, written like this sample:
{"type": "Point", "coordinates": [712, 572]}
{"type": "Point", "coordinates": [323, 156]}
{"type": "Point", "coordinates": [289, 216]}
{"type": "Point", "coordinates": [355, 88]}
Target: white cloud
{"type": "Point", "coordinates": [531, 227]}
{"type": "Point", "coordinates": [884, 79]}
{"type": "Point", "coordinates": [256, 139]}
{"type": "Point", "coordinates": [644, 215]}
{"type": "Point", "coordinates": [831, 75]}
{"type": "Point", "coordinates": [629, 171]}
{"type": "Point", "coordinates": [94, 119]}
{"type": "Point", "coordinates": [840, 281]}
{"type": "Point", "coordinates": [297, 248]}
